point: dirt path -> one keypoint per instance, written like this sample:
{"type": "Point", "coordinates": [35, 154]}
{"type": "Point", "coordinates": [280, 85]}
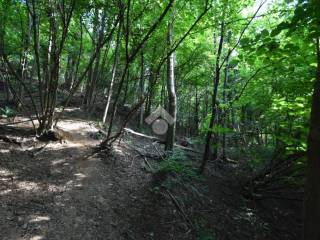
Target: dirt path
{"type": "Point", "coordinates": [62, 194]}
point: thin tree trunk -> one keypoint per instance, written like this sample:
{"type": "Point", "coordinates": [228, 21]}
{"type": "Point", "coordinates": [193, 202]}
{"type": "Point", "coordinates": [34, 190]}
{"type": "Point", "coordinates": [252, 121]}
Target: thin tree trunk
{"type": "Point", "coordinates": [114, 69]}
{"type": "Point", "coordinates": [224, 96]}
{"type": "Point", "coordinates": [196, 113]}
{"type": "Point", "coordinates": [129, 59]}
{"type": "Point", "coordinates": [151, 92]}
{"type": "Point", "coordinates": [125, 95]}
{"type": "Point", "coordinates": [141, 86]}
{"type": "Point", "coordinates": [98, 31]}
{"type": "Point", "coordinates": [24, 60]}
{"type": "Point", "coordinates": [214, 100]}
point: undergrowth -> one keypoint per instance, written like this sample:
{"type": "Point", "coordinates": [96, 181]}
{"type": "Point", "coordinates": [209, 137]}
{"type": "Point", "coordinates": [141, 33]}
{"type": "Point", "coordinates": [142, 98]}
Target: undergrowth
{"type": "Point", "coordinates": [177, 164]}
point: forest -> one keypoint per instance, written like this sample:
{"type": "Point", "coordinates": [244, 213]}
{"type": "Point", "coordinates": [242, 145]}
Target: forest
{"type": "Point", "coordinates": [160, 119]}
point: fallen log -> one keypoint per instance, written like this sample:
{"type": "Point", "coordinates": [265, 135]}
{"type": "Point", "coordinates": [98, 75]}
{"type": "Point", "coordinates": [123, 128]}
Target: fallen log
{"type": "Point", "coordinates": [155, 139]}
{"type": "Point", "coordinates": [143, 135]}
{"type": "Point", "coordinates": [159, 140]}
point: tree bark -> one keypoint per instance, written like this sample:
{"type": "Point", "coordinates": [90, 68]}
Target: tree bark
{"type": "Point", "coordinates": [114, 69]}
{"type": "Point", "coordinates": [224, 116]}
{"type": "Point", "coordinates": [196, 114]}
{"type": "Point", "coordinates": [312, 191]}
{"type": "Point", "coordinates": [172, 98]}
{"type": "Point", "coordinates": [141, 89]}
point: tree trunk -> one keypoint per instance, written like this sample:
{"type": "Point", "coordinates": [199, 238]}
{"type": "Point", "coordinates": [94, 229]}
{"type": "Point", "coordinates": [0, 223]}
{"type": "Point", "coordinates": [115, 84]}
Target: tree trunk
{"type": "Point", "coordinates": [99, 25]}
{"type": "Point", "coordinates": [172, 109]}
{"type": "Point", "coordinates": [196, 114]}
{"type": "Point", "coordinates": [125, 94]}
{"type": "Point", "coordinates": [24, 59]}
{"type": "Point", "coordinates": [151, 92]}
{"type": "Point", "coordinates": [141, 90]}
{"type": "Point", "coordinates": [114, 69]}
{"type": "Point", "coordinates": [214, 100]}
{"type": "Point", "coordinates": [224, 116]}
{"type": "Point", "coordinates": [312, 197]}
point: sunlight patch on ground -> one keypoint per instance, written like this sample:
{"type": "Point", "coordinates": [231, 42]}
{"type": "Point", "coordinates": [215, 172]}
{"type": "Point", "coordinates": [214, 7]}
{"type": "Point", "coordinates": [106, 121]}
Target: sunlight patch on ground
{"type": "Point", "coordinates": [36, 237]}
{"type": "Point", "coordinates": [4, 192]}
{"type": "Point", "coordinates": [58, 146]}
{"type": "Point", "coordinates": [55, 188]}
{"type": "Point", "coordinates": [69, 109]}
{"type": "Point", "coordinates": [28, 186]}
{"type": "Point", "coordinates": [37, 218]}
{"type": "Point", "coordinates": [74, 144]}
{"type": "Point", "coordinates": [77, 132]}
{"type": "Point", "coordinates": [73, 125]}
{"type": "Point", "coordinates": [80, 176]}
{"type": "Point", "coordinates": [4, 151]}
{"type": "Point", "coordinates": [56, 162]}
{"type": "Point", "coordinates": [119, 151]}
{"type": "Point", "coordinates": [5, 172]}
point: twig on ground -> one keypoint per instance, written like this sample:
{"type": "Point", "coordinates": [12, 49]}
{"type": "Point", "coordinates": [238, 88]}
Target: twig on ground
{"type": "Point", "coordinates": [179, 207]}
{"type": "Point", "coordinates": [10, 140]}
{"type": "Point", "coordinates": [38, 150]}
{"type": "Point", "coordinates": [158, 151]}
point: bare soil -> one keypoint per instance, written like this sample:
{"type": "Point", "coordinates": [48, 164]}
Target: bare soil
{"type": "Point", "coordinates": [62, 190]}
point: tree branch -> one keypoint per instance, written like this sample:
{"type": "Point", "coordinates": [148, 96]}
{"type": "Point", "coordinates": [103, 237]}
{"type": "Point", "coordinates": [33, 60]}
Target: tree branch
{"type": "Point", "coordinates": [241, 34]}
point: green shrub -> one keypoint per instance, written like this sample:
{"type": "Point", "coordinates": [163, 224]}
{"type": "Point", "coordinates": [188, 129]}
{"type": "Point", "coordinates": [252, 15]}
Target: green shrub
{"type": "Point", "coordinates": [178, 164]}
{"type": "Point", "coordinates": [202, 232]}
{"type": "Point", "coordinates": [8, 113]}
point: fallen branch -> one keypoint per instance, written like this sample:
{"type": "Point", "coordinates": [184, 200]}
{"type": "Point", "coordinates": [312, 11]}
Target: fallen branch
{"type": "Point", "coordinates": [158, 140]}
{"type": "Point", "coordinates": [257, 196]}
{"type": "Point", "coordinates": [37, 151]}
{"type": "Point", "coordinates": [158, 151]}
{"type": "Point", "coordinates": [179, 207]}
{"type": "Point", "coordinates": [145, 154]}
{"type": "Point", "coordinates": [10, 140]}
{"type": "Point", "coordinates": [15, 123]}
{"type": "Point", "coordinates": [155, 139]}
{"type": "Point", "coordinates": [142, 135]}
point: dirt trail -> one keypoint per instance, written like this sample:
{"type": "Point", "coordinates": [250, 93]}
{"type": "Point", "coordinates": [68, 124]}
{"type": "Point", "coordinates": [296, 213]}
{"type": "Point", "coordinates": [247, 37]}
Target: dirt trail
{"type": "Point", "coordinates": [61, 191]}
{"type": "Point", "coordinates": [63, 194]}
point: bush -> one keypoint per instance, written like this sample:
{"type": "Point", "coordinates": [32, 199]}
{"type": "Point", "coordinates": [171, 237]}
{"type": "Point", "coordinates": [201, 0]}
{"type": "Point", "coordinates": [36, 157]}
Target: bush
{"type": "Point", "coordinates": [8, 113]}
{"type": "Point", "coordinates": [177, 164]}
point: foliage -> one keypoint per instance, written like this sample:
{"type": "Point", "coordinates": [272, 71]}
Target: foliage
{"type": "Point", "coordinates": [202, 232]}
{"type": "Point", "coordinates": [177, 164]}
{"type": "Point", "coordinates": [266, 66]}
{"type": "Point", "coordinates": [7, 112]}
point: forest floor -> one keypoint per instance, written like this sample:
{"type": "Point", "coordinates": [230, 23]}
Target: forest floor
{"type": "Point", "coordinates": [61, 190]}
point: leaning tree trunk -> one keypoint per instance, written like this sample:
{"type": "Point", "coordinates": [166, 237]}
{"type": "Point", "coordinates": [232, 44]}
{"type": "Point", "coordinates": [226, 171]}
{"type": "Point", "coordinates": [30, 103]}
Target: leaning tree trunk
{"type": "Point", "coordinates": [172, 108]}
{"type": "Point", "coordinates": [114, 69]}
{"type": "Point", "coordinates": [312, 197]}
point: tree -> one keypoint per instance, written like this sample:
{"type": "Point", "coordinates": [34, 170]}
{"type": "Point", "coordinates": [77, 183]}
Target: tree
{"type": "Point", "coordinates": [312, 201]}
{"type": "Point", "coordinates": [113, 74]}
{"type": "Point", "coordinates": [172, 98]}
